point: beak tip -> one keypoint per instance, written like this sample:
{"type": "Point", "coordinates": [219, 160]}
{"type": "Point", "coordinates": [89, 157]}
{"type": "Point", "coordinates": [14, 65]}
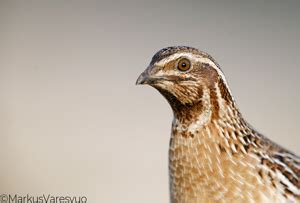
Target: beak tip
{"type": "Point", "coordinates": [137, 83]}
{"type": "Point", "coordinates": [141, 79]}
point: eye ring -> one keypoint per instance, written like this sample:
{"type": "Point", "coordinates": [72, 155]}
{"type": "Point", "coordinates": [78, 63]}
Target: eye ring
{"type": "Point", "coordinates": [184, 65]}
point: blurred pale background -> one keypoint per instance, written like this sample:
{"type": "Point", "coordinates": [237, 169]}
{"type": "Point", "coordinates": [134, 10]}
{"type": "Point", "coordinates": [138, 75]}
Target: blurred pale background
{"type": "Point", "coordinates": [73, 122]}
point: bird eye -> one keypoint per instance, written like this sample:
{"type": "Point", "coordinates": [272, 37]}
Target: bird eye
{"type": "Point", "coordinates": [184, 64]}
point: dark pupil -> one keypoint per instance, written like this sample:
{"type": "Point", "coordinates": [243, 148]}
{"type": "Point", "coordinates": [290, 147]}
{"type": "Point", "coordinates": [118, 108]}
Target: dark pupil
{"type": "Point", "coordinates": [183, 65]}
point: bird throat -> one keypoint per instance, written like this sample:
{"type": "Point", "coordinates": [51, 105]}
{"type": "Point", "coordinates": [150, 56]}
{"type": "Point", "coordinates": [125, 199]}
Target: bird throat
{"type": "Point", "coordinates": [215, 103]}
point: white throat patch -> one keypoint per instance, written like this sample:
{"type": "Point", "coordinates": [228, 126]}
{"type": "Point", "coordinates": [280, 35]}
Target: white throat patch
{"type": "Point", "coordinates": [201, 120]}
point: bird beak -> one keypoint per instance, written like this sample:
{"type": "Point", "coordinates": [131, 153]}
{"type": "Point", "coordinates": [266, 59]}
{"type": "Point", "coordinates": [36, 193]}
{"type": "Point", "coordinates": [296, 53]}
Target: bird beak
{"type": "Point", "coordinates": [148, 77]}
{"type": "Point", "coordinates": [143, 78]}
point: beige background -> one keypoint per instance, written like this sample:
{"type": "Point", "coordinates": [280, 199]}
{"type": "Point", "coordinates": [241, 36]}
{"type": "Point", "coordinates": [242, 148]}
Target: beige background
{"type": "Point", "coordinates": [72, 121]}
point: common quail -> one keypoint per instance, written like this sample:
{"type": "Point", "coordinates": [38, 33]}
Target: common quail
{"type": "Point", "coordinates": [214, 154]}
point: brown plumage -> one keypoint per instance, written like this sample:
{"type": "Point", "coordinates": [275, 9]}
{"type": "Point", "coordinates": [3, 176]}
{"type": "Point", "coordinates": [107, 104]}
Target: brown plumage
{"type": "Point", "coordinates": [215, 155]}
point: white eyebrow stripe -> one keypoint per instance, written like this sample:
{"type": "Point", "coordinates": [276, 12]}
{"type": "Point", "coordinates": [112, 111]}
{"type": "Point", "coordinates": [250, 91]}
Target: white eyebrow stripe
{"type": "Point", "coordinates": [172, 57]}
{"type": "Point", "coordinates": [199, 58]}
